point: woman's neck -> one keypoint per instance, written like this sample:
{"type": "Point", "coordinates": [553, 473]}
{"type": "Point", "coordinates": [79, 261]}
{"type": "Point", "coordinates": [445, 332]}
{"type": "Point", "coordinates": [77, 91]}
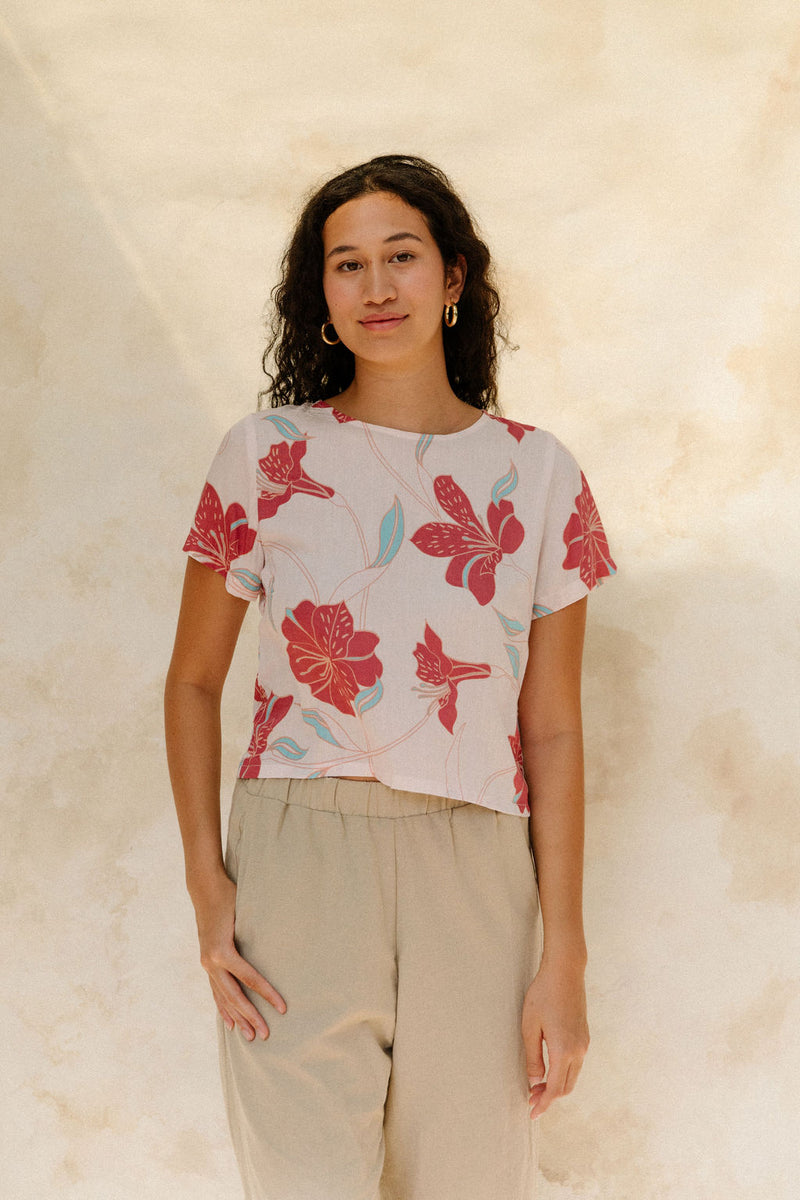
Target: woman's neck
{"type": "Point", "coordinates": [413, 402]}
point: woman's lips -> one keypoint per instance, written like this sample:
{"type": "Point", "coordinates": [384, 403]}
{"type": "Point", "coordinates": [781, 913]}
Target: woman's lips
{"type": "Point", "coordinates": [383, 323]}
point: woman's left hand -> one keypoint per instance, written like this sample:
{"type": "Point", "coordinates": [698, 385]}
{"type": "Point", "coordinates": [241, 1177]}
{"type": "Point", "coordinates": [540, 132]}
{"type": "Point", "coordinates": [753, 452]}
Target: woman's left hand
{"type": "Point", "coordinates": [554, 1012]}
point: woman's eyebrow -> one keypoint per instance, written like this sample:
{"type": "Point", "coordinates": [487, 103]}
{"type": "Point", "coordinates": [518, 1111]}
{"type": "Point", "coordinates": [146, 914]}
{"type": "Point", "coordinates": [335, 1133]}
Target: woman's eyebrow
{"type": "Point", "coordinates": [394, 237]}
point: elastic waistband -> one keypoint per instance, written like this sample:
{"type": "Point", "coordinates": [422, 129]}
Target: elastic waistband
{"type": "Point", "coordinates": [352, 797]}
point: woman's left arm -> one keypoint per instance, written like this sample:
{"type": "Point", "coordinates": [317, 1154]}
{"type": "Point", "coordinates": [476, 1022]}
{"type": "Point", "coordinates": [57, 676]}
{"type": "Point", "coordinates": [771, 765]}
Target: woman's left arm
{"type": "Point", "coordinates": [552, 748]}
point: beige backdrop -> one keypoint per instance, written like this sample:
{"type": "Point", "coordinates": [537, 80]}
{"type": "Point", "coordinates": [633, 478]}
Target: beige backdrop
{"type": "Point", "coordinates": [634, 165]}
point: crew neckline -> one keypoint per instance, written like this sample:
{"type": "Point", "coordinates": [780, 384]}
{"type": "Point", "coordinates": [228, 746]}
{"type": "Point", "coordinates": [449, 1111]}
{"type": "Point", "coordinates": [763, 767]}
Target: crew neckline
{"type": "Point", "coordinates": [346, 419]}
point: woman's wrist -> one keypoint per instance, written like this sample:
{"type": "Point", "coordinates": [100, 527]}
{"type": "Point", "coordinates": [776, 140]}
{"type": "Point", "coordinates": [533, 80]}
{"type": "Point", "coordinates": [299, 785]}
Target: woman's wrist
{"type": "Point", "coordinates": [204, 882]}
{"type": "Point", "coordinates": [565, 957]}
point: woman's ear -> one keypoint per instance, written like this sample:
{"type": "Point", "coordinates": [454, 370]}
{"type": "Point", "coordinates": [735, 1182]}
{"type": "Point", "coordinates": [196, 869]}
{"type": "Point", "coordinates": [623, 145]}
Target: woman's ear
{"type": "Point", "coordinates": [456, 276]}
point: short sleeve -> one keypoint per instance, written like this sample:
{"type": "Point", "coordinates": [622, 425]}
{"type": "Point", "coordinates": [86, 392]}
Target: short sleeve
{"type": "Point", "coordinates": [225, 530]}
{"type": "Point", "coordinates": [574, 556]}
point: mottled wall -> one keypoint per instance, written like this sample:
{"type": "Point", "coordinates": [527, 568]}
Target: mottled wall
{"type": "Point", "coordinates": [635, 168]}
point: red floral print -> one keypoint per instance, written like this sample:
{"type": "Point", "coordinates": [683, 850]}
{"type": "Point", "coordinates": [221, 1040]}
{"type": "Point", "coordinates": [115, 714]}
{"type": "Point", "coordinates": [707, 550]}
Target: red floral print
{"type": "Point", "coordinates": [340, 416]}
{"type": "Point", "coordinates": [520, 785]}
{"type": "Point", "coordinates": [281, 476]}
{"type": "Point", "coordinates": [473, 551]}
{"type": "Point", "coordinates": [219, 536]}
{"type": "Point", "coordinates": [327, 654]}
{"type": "Point", "coordinates": [271, 710]}
{"type": "Point", "coordinates": [515, 428]}
{"type": "Point", "coordinates": [444, 674]}
{"type": "Point", "coordinates": [585, 539]}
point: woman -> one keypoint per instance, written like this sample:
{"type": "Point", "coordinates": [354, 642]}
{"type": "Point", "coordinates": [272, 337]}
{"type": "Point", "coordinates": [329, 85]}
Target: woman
{"type": "Point", "coordinates": [421, 565]}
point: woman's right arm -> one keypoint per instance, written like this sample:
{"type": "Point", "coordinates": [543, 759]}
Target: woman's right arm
{"type": "Point", "coordinates": [208, 626]}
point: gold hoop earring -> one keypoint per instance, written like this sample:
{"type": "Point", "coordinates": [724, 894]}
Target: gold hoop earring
{"type": "Point", "coordinates": [450, 315]}
{"type": "Point", "coordinates": [327, 341]}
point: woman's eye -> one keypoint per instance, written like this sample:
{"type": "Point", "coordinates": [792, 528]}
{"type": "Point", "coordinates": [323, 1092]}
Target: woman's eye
{"type": "Point", "coordinates": [344, 267]}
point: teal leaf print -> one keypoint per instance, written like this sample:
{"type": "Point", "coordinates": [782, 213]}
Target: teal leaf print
{"type": "Point", "coordinates": [368, 697]}
{"type": "Point", "coordinates": [511, 627]}
{"type": "Point", "coordinates": [285, 427]}
{"type": "Point", "coordinates": [422, 445]}
{"type": "Point", "coordinates": [317, 722]}
{"type": "Point", "coordinates": [391, 535]}
{"type": "Point", "coordinates": [513, 655]}
{"type": "Point", "coordinates": [288, 747]}
{"type": "Point", "coordinates": [539, 610]}
{"type": "Point", "coordinates": [247, 579]}
{"type": "Point", "coordinates": [505, 485]}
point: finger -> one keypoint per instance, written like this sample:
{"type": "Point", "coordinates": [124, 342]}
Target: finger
{"type": "Point", "coordinates": [534, 1095]}
{"type": "Point", "coordinates": [556, 1078]}
{"type": "Point", "coordinates": [572, 1075]}
{"type": "Point", "coordinates": [248, 1018]}
{"type": "Point", "coordinates": [539, 1103]}
{"type": "Point", "coordinates": [232, 1000]}
{"type": "Point", "coordinates": [562, 1077]}
{"type": "Point", "coordinates": [252, 979]}
{"type": "Point", "coordinates": [228, 959]}
{"type": "Point", "coordinates": [227, 1019]}
{"type": "Point", "coordinates": [223, 1009]}
{"type": "Point", "coordinates": [535, 1072]}
{"type": "Point", "coordinates": [534, 1056]}
{"type": "Point", "coordinates": [553, 1090]}
{"type": "Point", "coordinates": [228, 969]}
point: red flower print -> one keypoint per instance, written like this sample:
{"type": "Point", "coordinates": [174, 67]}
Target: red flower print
{"type": "Point", "coordinates": [280, 475]}
{"type": "Point", "coordinates": [520, 785]}
{"type": "Point", "coordinates": [515, 428]}
{"type": "Point", "coordinates": [327, 653]}
{"type": "Point", "coordinates": [220, 537]}
{"type": "Point", "coordinates": [444, 674]}
{"type": "Point", "coordinates": [340, 416]}
{"type": "Point", "coordinates": [474, 552]}
{"type": "Point", "coordinates": [585, 539]}
{"type": "Point", "coordinates": [271, 710]}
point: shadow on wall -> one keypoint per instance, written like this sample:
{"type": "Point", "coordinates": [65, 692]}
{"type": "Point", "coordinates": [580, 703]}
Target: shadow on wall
{"type": "Point", "coordinates": [662, 720]}
{"type": "Point", "coordinates": [692, 882]}
{"type": "Point", "coordinates": [103, 419]}
{"type": "Point", "coordinates": [107, 428]}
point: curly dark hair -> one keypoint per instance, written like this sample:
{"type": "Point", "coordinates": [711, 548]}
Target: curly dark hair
{"type": "Point", "coordinates": [306, 369]}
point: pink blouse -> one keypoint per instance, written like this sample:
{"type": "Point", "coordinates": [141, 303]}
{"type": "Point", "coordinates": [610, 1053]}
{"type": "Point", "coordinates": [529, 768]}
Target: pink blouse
{"type": "Point", "coordinates": [397, 575]}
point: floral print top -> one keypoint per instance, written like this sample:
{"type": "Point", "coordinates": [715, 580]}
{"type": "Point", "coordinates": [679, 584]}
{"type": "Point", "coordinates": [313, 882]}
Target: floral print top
{"type": "Point", "coordinates": [397, 575]}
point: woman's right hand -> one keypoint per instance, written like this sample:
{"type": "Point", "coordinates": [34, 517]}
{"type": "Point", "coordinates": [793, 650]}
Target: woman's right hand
{"type": "Point", "coordinates": [226, 968]}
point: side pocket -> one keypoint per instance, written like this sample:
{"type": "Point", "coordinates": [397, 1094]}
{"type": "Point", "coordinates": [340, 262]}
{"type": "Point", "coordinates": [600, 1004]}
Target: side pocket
{"type": "Point", "coordinates": [530, 849]}
{"type": "Point", "coordinates": [235, 829]}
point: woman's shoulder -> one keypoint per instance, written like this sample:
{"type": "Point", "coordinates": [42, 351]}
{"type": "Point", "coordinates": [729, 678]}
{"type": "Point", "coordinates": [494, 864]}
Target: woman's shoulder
{"type": "Point", "coordinates": [524, 440]}
{"type": "Point", "coordinates": [274, 421]}
{"type": "Point", "coordinates": [533, 435]}
{"type": "Point", "coordinates": [517, 429]}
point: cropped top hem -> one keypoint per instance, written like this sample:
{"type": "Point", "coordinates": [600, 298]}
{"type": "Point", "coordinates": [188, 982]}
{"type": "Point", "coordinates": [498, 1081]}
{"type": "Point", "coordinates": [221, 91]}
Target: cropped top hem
{"type": "Point", "coordinates": [406, 783]}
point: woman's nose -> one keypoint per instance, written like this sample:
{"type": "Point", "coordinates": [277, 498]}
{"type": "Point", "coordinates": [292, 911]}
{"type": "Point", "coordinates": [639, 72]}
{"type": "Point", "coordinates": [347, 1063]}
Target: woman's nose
{"type": "Point", "coordinates": [377, 284]}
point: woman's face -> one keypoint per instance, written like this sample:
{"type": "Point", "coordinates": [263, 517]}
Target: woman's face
{"type": "Point", "coordinates": [384, 279]}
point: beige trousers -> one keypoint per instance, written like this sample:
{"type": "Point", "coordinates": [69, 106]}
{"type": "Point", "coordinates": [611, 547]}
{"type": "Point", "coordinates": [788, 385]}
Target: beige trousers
{"type": "Point", "coordinates": [402, 930]}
